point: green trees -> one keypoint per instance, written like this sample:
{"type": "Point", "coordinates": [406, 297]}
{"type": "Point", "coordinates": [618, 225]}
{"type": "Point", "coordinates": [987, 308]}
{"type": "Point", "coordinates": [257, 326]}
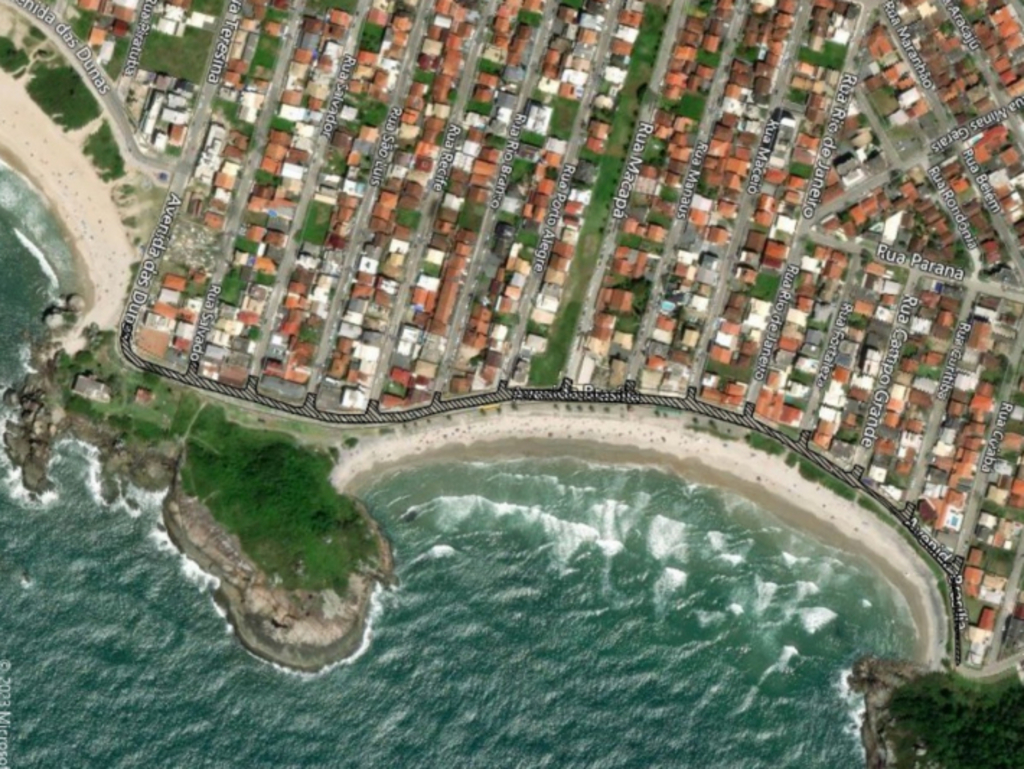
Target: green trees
{"type": "Point", "coordinates": [963, 725]}
{"type": "Point", "coordinates": [62, 95]}
{"type": "Point", "coordinates": [277, 498]}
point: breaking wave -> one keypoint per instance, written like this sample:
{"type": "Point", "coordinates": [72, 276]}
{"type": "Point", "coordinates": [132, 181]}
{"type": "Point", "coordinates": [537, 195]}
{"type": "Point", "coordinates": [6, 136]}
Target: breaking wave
{"type": "Point", "coordinates": [666, 539]}
{"type": "Point", "coordinates": [40, 257]}
{"type": "Point", "coordinates": [816, 618]}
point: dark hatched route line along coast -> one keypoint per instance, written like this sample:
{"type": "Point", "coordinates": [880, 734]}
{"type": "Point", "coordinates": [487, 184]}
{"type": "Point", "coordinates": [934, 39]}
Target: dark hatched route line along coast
{"type": "Point", "coordinates": [951, 565]}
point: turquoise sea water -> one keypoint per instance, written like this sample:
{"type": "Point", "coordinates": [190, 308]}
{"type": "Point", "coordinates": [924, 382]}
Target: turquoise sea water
{"type": "Point", "coordinates": [550, 614]}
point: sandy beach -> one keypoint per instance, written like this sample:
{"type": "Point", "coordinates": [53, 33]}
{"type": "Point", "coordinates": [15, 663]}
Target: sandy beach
{"type": "Point", "coordinates": [641, 438]}
{"type": "Point", "coordinates": [53, 162]}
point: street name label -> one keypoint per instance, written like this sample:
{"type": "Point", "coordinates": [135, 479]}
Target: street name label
{"type": "Point", "coordinates": [82, 52]}
{"type": "Point", "coordinates": [963, 225]}
{"type": "Point", "coordinates": [956, 354]}
{"type": "Point", "coordinates": [764, 154]}
{"type": "Point", "coordinates": [554, 217]}
{"type": "Point", "coordinates": [158, 244]}
{"type": "Point", "coordinates": [446, 161]}
{"type": "Point", "coordinates": [828, 360]}
{"type": "Point", "coordinates": [913, 55]}
{"type": "Point", "coordinates": [915, 260]}
{"type": "Point", "coordinates": [632, 173]}
{"type": "Point", "coordinates": [387, 146]}
{"type": "Point", "coordinates": [988, 193]}
{"type": "Point", "coordinates": [980, 123]}
{"type": "Point", "coordinates": [880, 397]}
{"type": "Point", "coordinates": [693, 172]}
{"type": "Point", "coordinates": [776, 321]}
{"type": "Point", "coordinates": [142, 28]}
{"type": "Point", "coordinates": [963, 26]}
{"type": "Point", "coordinates": [222, 48]}
{"type": "Point", "coordinates": [508, 156]}
{"type": "Point", "coordinates": [330, 124]}
{"type": "Point", "coordinates": [829, 145]}
{"type": "Point", "coordinates": [988, 459]}
{"type": "Point", "coordinates": [206, 319]}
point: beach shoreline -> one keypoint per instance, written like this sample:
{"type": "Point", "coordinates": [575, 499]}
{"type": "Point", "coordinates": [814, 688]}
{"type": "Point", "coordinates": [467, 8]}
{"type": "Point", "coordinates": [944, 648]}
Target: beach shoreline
{"type": "Point", "coordinates": [670, 444]}
{"type": "Point", "coordinates": [53, 162]}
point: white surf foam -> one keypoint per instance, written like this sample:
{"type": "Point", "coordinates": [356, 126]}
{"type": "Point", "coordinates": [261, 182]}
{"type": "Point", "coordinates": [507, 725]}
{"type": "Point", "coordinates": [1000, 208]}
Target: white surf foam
{"type": "Point", "coordinates": [747, 701]}
{"type": "Point", "coordinates": [670, 582]}
{"type": "Point", "coordinates": [666, 538]}
{"type": "Point", "coordinates": [376, 608]}
{"type": "Point", "coordinates": [791, 560]}
{"type": "Point", "coordinates": [194, 573]}
{"type": "Point", "coordinates": [732, 558]}
{"type": "Point", "coordinates": [717, 540]}
{"type": "Point", "coordinates": [865, 603]}
{"type": "Point", "coordinates": [707, 618]}
{"type": "Point", "coordinates": [610, 547]}
{"type": "Point", "coordinates": [566, 537]}
{"type": "Point", "coordinates": [613, 518]}
{"type": "Point", "coordinates": [441, 551]}
{"type": "Point", "coordinates": [816, 618]}
{"type": "Point", "coordinates": [94, 469]}
{"type": "Point", "coordinates": [161, 540]}
{"type": "Point", "coordinates": [765, 593]}
{"type": "Point", "coordinates": [736, 609]}
{"type": "Point", "coordinates": [191, 570]}
{"type": "Point", "coordinates": [434, 553]}
{"type": "Point", "coordinates": [14, 485]}
{"type": "Point", "coordinates": [25, 358]}
{"type": "Point", "coordinates": [804, 589]}
{"type": "Point", "coordinates": [781, 665]}
{"type": "Point", "coordinates": [37, 252]}
{"type": "Point", "coordinates": [855, 709]}
{"type": "Point", "coordinates": [673, 579]}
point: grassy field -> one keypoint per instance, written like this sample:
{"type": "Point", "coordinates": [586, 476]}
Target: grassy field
{"type": "Point", "coordinates": [318, 223]}
{"type": "Point", "coordinates": [831, 56]}
{"type": "Point", "coordinates": [266, 52]}
{"type": "Point", "coordinates": [371, 37]}
{"type": "Point", "coordinates": [410, 218]}
{"type": "Point", "coordinates": [210, 7]}
{"type": "Point", "coordinates": [62, 95]}
{"type": "Point", "coordinates": [183, 57]}
{"type": "Point", "coordinates": [102, 148]}
{"type": "Point", "coordinates": [766, 286]}
{"type": "Point", "coordinates": [348, 6]}
{"type": "Point", "coordinates": [564, 117]}
{"type": "Point", "coordinates": [116, 63]}
{"type": "Point", "coordinates": [546, 369]}
{"type": "Point", "coordinates": [167, 417]}
{"type": "Point", "coordinates": [277, 498]}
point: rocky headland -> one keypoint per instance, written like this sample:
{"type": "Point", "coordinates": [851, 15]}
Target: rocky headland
{"type": "Point", "coordinates": [302, 630]}
{"type": "Point", "coordinates": [298, 629]}
{"type": "Point", "coordinates": [877, 679]}
{"type": "Point", "coordinates": [42, 421]}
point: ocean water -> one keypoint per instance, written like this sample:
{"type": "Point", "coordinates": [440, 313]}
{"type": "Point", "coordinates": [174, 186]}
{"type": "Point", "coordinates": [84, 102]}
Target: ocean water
{"type": "Point", "coordinates": [552, 614]}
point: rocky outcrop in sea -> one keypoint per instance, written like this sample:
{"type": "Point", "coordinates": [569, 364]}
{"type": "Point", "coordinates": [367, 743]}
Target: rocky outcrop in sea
{"type": "Point", "coordinates": [303, 630]}
{"type": "Point", "coordinates": [300, 629]}
{"type": "Point", "coordinates": [877, 679]}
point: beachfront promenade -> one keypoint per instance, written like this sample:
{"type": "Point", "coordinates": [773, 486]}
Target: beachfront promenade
{"type": "Point", "coordinates": [950, 564]}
